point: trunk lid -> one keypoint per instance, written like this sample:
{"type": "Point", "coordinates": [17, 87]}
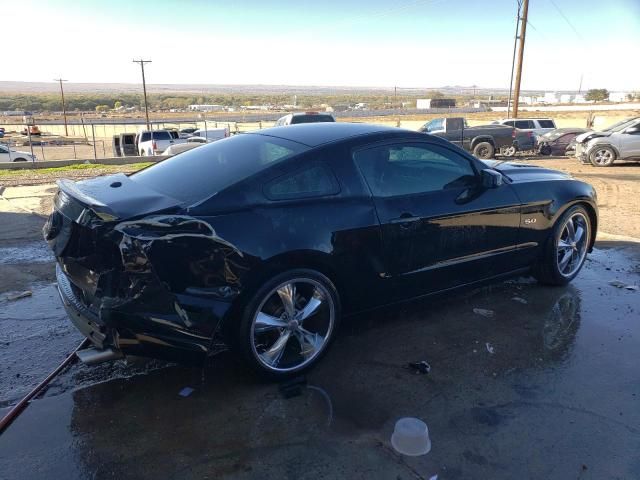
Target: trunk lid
{"type": "Point", "coordinates": [117, 197]}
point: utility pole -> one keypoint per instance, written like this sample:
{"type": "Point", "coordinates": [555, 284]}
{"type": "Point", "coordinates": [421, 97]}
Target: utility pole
{"type": "Point", "coordinates": [523, 32]}
{"type": "Point", "coordinates": [513, 60]}
{"type": "Point", "coordinates": [64, 108]}
{"type": "Point", "coordinates": [144, 89]}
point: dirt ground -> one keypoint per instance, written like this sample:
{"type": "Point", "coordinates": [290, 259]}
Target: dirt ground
{"type": "Point", "coordinates": [618, 189]}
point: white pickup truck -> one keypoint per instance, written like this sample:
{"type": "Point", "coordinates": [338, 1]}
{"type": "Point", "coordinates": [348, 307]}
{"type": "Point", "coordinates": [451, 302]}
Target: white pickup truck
{"type": "Point", "coordinates": [154, 142]}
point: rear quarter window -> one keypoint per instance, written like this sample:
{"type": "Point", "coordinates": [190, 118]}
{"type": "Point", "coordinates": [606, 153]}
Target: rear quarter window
{"type": "Point", "coordinates": [161, 136]}
{"type": "Point", "coordinates": [546, 124]}
{"type": "Point", "coordinates": [145, 137]}
{"type": "Point", "coordinates": [315, 180]}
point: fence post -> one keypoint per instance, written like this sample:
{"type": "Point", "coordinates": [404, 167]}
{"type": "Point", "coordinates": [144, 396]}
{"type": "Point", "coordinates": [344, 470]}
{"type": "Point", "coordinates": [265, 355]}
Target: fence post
{"type": "Point", "coordinates": [93, 135]}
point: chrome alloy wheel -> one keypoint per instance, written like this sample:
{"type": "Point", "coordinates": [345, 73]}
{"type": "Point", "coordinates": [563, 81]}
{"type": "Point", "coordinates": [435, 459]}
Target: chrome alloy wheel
{"type": "Point", "coordinates": [572, 244]}
{"type": "Point", "coordinates": [509, 151]}
{"type": "Point", "coordinates": [292, 324]}
{"type": "Point", "coordinates": [603, 156]}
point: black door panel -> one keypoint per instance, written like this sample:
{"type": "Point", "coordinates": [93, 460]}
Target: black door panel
{"type": "Point", "coordinates": [453, 232]}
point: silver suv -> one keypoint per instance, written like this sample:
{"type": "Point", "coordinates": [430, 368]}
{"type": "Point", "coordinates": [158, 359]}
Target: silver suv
{"type": "Point", "coordinates": [604, 148]}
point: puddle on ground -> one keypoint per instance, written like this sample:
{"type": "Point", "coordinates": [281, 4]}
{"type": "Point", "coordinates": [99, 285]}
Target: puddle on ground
{"type": "Point", "coordinates": [33, 252]}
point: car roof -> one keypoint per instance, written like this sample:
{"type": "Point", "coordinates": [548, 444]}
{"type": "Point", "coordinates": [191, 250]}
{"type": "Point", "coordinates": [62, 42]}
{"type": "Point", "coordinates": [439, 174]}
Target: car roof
{"type": "Point", "coordinates": [530, 118]}
{"type": "Point", "coordinates": [315, 134]}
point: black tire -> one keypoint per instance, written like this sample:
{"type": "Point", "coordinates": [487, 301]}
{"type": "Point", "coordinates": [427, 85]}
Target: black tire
{"type": "Point", "coordinates": [484, 150]}
{"type": "Point", "coordinates": [547, 271]}
{"type": "Point", "coordinates": [20, 159]}
{"type": "Point", "coordinates": [603, 156]}
{"type": "Point", "coordinates": [245, 339]}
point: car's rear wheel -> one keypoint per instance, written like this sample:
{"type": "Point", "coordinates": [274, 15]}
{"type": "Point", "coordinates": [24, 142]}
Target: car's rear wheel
{"type": "Point", "coordinates": [602, 156]}
{"type": "Point", "coordinates": [20, 159]}
{"type": "Point", "coordinates": [288, 324]}
{"type": "Point", "coordinates": [484, 150]}
{"type": "Point", "coordinates": [566, 249]}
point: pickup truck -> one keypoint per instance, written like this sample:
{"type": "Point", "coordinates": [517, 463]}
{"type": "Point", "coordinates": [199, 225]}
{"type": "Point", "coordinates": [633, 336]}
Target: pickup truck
{"type": "Point", "coordinates": [483, 141]}
{"type": "Point", "coordinates": [154, 142]}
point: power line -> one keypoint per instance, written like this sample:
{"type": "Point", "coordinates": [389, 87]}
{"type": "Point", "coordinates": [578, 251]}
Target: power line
{"type": "Point", "coordinates": [567, 20]}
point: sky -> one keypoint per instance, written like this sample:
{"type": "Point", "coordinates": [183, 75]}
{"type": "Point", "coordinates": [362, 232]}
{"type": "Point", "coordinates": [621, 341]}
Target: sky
{"type": "Point", "coordinates": [376, 43]}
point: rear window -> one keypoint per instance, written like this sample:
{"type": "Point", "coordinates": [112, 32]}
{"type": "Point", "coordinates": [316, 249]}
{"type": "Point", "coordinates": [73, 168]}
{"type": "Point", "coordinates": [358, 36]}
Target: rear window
{"type": "Point", "coordinates": [197, 174]}
{"type": "Point", "coordinates": [546, 124]}
{"type": "Point", "coordinates": [311, 119]}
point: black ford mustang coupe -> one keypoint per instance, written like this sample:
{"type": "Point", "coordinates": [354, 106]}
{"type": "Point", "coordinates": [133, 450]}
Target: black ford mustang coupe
{"type": "Point", "coordinates": [264, 240]}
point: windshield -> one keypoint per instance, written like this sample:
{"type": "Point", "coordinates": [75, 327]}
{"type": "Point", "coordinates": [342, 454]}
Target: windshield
{"type": "Point", "coordinates": [199, 173]}
{"type": "Point", "coordinates": [617, 127]}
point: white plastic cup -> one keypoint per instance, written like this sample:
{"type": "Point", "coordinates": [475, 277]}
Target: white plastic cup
{"type": "Point", "coordinates": [411, 437]}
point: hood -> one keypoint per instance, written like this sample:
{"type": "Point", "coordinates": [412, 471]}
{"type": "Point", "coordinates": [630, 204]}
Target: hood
{"type": "Point", "coordinates": [521, 172]}
{"type": "Point", "coordinates": [117, 197]}
{"type": "Point", "coordinates": [585, 137]}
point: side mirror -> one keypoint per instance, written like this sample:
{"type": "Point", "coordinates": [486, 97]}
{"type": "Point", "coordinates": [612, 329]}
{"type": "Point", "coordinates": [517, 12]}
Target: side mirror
{"type": "Point", "coordinates": [491, 178]}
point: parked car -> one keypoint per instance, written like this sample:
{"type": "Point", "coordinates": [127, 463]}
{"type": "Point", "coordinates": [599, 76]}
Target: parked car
{"type": "Point", "coordinates": [483, 141]}
{"type": "Point", "coordinates": [601, 149]}
{"type": "Point", "coordinates": [264, 240]}
{"type": "Point", "coordinates": [1, 132]}
{"type": "Point", "coordinates": [154, 142]}
{"type": "Point", "coordinates": [211, 134]}
{"type": "Point", "coordinates": [538, 126]}
{"type": "Point", "coordinates": [33, 130]}
{"type": "Point", "coordinates": [181, 147]}
{"type": "Point", "coordinates": [9, 155]}
{"type": "Point", "coordinates": [582, 139]}
{"type": "Point", "coordinates": [304, 117]}
{"type": "Point", "coordinates": [523, 142]}
{"type": "Point", "coordinates": [560, 141]}
{"type": "Point", "coordinates": [187, 132]}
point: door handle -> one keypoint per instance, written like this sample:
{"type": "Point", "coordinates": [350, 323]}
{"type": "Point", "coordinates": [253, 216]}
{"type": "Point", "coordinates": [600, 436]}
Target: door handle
{"type": "Point", "coordinates": [405, 220]}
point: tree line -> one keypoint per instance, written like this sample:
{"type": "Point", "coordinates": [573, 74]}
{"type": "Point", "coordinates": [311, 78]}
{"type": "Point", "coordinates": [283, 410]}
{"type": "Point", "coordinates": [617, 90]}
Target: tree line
{"type": "Point", "coordinates": [49, 102]}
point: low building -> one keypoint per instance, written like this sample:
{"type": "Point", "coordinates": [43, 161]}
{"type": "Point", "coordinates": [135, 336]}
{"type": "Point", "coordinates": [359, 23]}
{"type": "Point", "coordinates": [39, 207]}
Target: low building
{"type": "Point", "coordinates": [423, 103]}
{"type": "Point", "coordinates": [206, 108]}
{"type": "Point", "coordinates": [619, 97]}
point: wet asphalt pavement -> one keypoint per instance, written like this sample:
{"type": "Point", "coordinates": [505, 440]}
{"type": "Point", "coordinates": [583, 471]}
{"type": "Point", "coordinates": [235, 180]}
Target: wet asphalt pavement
{"type": "Point", "coordinates": [545, 385]}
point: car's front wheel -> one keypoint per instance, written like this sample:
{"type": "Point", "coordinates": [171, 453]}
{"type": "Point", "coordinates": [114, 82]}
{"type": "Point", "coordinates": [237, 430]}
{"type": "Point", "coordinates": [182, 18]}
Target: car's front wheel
{"type": "Point", "coordinates": [602, 156]}
{"type": "Point", "coordinates": [566, 249]}
{"type": "Point", "coordinates": [288, 323]}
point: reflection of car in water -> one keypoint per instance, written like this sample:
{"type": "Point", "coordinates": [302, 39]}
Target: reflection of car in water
{"type": "Point", "coordinates": [561, 323]}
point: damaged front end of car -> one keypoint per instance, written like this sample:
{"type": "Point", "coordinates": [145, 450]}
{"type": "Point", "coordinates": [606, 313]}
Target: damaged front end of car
{"type": "Point", "coordinates": [143, 278]}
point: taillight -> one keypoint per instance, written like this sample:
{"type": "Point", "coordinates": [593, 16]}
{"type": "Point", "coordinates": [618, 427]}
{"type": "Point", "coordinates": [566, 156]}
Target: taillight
{"type": "Point", "coordinates": [513, 133]}
{"type": "Point", "coordinates": [529, 134]}
{"type": "Point", "coordinates": [154, 145]}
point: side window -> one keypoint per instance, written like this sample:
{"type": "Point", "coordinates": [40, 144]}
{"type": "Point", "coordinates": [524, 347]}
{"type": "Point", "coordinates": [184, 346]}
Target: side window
{"type": "Point", "coordinates": [406, 169]}
{"type": "Point", "coordinates": [145, 137]}
{"type": "Point", "coordinates": [546, 124]}
{"type": "Point", "coordinates": [511, 123]}
{"type": "Point", "coordinates": [312, 181]}
{"type": "Point", "coordinates": [3, 150]}
{"type": "Point", "coordinates": [523, 124]}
